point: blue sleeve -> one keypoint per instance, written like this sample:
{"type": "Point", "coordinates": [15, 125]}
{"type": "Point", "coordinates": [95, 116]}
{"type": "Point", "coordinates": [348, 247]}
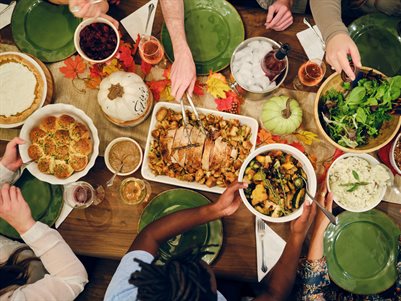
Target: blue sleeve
{"type": "Point", "coordinates": [119, 288]}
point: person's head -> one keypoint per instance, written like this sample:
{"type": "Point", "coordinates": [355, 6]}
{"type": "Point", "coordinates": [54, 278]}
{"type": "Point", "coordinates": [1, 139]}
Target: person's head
{"type": "Point", "coordinates": [15, 272]}
{"type": "Point", "coordinates": [184, 277]}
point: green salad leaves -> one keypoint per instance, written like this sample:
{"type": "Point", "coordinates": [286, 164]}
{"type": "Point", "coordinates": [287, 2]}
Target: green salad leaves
{"type": "Point", "coordinates": [357, 114]}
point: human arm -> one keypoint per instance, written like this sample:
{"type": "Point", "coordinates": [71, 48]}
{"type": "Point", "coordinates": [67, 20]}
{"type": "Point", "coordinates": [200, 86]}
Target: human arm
{"type": "Point", "coordinates": [183, 71]}
{"type": "Point", "coordinates": [153, 235]}
{"type": "Point", "coordinates": [11, 160]}
{"type": "Point", "coordinates": [279, 15]}
{"type": "Point", "coordinates": [67, 275]}
{"type": "Point", "coordinates": [87, 9]}
{"type": "Point", "coordinates": [327, 14]}
{"type": "Point", "coordinates": [279, 282]}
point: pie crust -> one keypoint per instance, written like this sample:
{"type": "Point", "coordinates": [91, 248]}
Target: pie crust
{"type": "Point", "coordinates": [39, 89]}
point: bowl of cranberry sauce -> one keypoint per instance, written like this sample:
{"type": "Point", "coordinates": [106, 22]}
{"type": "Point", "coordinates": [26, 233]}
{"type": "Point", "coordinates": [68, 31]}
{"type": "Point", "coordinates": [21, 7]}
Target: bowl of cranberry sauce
{"type": "Point", "coordinates": [96, 40]}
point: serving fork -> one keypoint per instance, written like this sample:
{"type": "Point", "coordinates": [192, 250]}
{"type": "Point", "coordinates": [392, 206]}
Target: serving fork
{"type": "Point", "coordinates": [261, 227]}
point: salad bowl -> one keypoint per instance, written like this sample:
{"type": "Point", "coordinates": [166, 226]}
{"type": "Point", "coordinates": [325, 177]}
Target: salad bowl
{"type": "Point", "coordinates": [386, 132]}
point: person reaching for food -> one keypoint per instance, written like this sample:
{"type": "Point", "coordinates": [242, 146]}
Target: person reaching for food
{"type": "Point", "coordinates": [44, 268]}
{"type": "Point", "coordinates": [313, 279]}
{"type": "Point", "coordinates": [279, 16]}
{"type": "Point", "coordinates": [186, 277]}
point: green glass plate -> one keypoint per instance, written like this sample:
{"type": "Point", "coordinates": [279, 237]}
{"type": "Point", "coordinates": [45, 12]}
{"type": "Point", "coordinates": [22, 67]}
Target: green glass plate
{"type": "Point", "coordinates": [175, 200]}
{"type": "Point", "coordinates": [45, 201]}
{"type": "Point", "coordinates": [213, 30]}
{"type": "Point", "coordinates": [44, 30]}
{"type": "Point", "coordinates": [378, 42]}
{"type": "Point", "coordinates": [362, 251]}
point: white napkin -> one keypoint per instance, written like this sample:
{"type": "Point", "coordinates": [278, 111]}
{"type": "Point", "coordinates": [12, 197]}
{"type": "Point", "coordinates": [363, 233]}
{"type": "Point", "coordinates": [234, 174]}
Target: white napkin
{"type": "Point", "coordinates": [311, 43]}
{"type": "Point", "coordinates": [135, 23]}
{"type": "Point", "coordinates": [63, 215]}
{"type": "Point", "coordinates": [274, 247]}
{"type": "Point", "coordinates": [5, 18]}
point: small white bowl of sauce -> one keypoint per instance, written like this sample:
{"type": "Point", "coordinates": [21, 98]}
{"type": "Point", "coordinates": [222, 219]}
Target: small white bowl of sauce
{"type": "Point", "coordinates": [123, 155]}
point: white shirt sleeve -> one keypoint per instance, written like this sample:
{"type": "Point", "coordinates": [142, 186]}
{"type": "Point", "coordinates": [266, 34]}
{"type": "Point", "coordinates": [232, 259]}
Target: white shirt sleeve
{"type": "Point", "coordinates": [6, 175]}
{"type": "Point", "coordinates": [67, 276]}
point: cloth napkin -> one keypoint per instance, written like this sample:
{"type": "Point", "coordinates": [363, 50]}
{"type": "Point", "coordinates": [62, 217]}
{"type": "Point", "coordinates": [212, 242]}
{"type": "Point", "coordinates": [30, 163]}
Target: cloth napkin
{"type": "Point", "coordinates": [311, 43]}
{"type": "Point", "coordinates": [135, 23]}
{"type": "Point", "coordinates": [63, 215]}
{"type": "Point", "coordinates": [274, 247]}
{"type": "Point", "coordinates": [5, 18]}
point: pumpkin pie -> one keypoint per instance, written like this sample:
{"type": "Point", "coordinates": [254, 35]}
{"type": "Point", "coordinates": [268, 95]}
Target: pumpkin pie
{"type": "Point", "coordinates": [21, 88]}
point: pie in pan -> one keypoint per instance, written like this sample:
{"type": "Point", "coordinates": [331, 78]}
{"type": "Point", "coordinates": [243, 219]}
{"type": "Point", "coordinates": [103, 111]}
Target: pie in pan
{"type": "Point", "coordinates": [22, 87]}
{"type": "Point", "coordinates": [60, 145]}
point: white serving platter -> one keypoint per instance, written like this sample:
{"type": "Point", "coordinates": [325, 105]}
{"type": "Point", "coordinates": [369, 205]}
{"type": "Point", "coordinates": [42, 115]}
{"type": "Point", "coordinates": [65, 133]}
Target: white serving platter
{"type": "Point", "coordinates": [147, 172]}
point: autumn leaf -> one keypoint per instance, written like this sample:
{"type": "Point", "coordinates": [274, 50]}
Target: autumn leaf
{"type": "Point", "coordinates": [124, 55]}
{"type": "Point", "coordinates": [167, 72]}
{"type": "Point", "coordinates": [166, 94]}
{"type": "Point", "coordinates": [217, 85]}
{"type": "Point", "coordinates": [145, 67]}
{"type": "Point", "coordinates": [298, 146]}
{"type": "Point", "coordinates": [111, 67]}
{"type": "Point", "coordinates": [73, 67]}
{"type": "Point", "coordinates": [135, 49]}
{"type": "Point", "coordinates": [264, 137]}
{"type": "Point", "coordinates": [93, 82]}
{"type": "Point", "coordinates": [156, 87]}
{"type": "Point", "coordinates": [230, 103]}
{"type": "Point", "coordinates": [306, 137]}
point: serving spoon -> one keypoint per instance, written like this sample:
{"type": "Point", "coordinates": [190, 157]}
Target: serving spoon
{"type": "Point", "coordinates": [332, 218]}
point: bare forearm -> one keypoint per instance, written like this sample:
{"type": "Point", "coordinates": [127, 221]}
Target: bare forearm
{"type": "Point", "coordinates": [173, 13]}
{"type": "Point", "coordinates": [316, 245]}
{"type": "Point", "coordinates": [281, 280]}
{"type": "Point", "coordinates": [153, 235]}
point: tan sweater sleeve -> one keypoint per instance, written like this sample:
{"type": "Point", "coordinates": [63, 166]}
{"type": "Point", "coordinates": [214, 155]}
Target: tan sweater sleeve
{"type": "Point", "coordinates": [327, 15]}
{"type": "Point", "coordinates": [67, 276]}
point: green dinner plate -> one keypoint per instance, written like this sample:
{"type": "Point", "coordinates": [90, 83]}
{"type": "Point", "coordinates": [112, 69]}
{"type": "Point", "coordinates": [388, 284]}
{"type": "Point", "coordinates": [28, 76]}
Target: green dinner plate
{"type": "Point", "coordinates": [213, 30]}
{"type": "Point", "coordinates": [378, 42]}
{"type": "Point", "coordinates": [45, 201]}
{"type": "Point", "coordinates": [44, 30]}
{"type": "Point", "coordinates": [175, 200]}
{"type": "Point", "coordinates": [362, 251]}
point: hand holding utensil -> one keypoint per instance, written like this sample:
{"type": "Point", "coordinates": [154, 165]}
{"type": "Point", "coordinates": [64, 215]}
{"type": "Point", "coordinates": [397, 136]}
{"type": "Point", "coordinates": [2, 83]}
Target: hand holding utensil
{"type": "Point", "coordinates": [261, 226]}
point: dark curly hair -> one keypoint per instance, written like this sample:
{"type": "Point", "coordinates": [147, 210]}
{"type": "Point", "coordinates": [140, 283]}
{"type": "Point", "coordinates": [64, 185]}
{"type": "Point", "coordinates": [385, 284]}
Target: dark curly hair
{"type": "Point", "coordinates": [182, 278]}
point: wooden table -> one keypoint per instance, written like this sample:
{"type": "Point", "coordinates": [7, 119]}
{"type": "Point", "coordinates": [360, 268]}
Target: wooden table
{"type": "Point", "coordinates": [107, 230]}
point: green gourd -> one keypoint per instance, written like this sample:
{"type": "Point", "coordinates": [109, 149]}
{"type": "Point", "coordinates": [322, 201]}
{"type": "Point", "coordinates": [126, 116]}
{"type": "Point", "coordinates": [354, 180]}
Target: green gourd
{"type": "Point", "coordinates": [281, 115]}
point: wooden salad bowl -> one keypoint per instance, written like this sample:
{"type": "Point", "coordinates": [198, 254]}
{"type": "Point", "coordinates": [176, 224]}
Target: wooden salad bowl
{"type": "Point", "coordinates": [387, 132]}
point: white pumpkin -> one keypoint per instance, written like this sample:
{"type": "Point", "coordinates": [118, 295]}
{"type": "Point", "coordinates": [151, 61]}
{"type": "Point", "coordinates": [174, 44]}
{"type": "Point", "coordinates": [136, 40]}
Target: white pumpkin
{"type": "Point", "coordinates": [281, 115]}
{"type": "Point", "coordinates": [124, 98]}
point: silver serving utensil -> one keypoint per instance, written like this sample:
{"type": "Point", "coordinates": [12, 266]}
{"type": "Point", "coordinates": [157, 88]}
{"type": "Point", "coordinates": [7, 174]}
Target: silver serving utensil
{"type": "Point", "coordinates": [390, 182]}
{"type": "Point", "coordinates": [8, 7]}
{"type": "Point", "coordinates": [332, 218]}
{"type": "Point", "coordinates": [111, 180]}
{"type": "Point", "coordinates": [261, 226]}
{"type": "Point", "coordinates": [306, 21]}
{"type": "Point", "coordinates": [151, 7]}
{"type": "Point", "coordinates": [191, 103]}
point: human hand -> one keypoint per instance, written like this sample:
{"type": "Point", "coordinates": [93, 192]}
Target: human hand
{"type": "Point", "coordinates": [300, 226]}
{"type": "Point", "coordinates": [279, 15]}
{"type": "Point", "coordinates": [11, 159]}
{"type": "Point", "coordinates": [183, 72]}
{"type": "Point", "coordinates": [14, 209]}
{"type": "Point", "coordinates": [337, 51]}
{"type": "Point", "coordinates": [321, 220]}
{"type": "Point", "coordinates": [88, 9]}
{"type": "Point", "coordinates": [230, 200]}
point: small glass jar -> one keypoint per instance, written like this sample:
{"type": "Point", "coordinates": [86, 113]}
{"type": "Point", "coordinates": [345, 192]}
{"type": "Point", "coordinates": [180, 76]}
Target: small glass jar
{"type": "Point", "coordinates": [79, 194]}
{"type": "Point", "coordinates": [134, 191]}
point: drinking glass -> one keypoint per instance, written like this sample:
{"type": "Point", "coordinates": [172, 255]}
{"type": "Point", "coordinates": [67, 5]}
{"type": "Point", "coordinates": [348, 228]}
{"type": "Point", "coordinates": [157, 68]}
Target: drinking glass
{"type": "Point", "coordinates": [310, 74]}
{"type": "Point", "coordinates": [150, 49]}
{"type": "Point", "coordinates": [134, 191]}
{"type": "Point", "coordinates": [79, 194]}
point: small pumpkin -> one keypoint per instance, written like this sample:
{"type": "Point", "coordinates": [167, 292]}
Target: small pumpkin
{"type": "Point", "coordinates": [124, 98]}
{"type": "Point", "coordinates": [281, 115]}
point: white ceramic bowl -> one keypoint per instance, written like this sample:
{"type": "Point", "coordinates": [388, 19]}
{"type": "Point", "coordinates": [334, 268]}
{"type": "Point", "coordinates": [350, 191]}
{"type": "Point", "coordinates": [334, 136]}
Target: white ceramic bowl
{"type": "Point", "coordinates": [306, 166]}
{"type": "Point", "coordinates": [85, 23]}
{"type": "Point", "coordinates": [244, 44]}
{"type": "Point", "coordinates": [392, 159]}
{"type": "Point", "coordinates": [107, 152]}
{"type": "Point", "coordinates": [372, 161]}
{"type": "Point", "coordinates": [57, 110]}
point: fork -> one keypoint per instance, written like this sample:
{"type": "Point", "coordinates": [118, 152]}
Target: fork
{"type": "Point", "coordinates": [306, 22]}
{"type": "Point", "coordinates": [261, 232]}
